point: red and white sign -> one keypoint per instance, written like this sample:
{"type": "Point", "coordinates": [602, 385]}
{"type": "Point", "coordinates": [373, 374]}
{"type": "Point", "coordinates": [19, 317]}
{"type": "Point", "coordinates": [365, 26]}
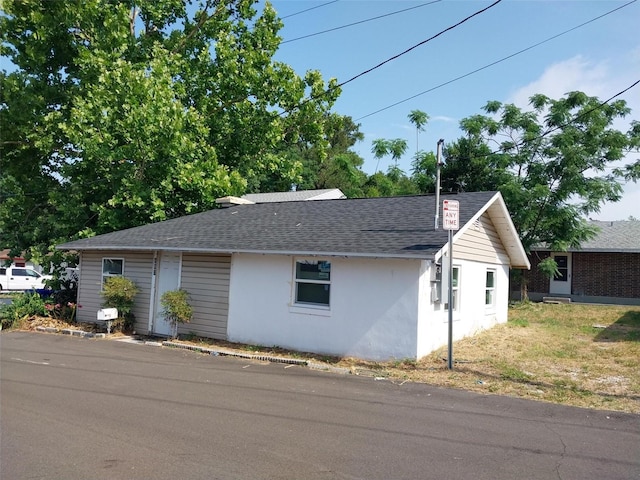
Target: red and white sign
{"type": "Point", "coordinates": [450, 214]}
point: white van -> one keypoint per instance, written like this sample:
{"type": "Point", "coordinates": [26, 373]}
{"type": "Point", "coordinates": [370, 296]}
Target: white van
{"type": "Point", "coordinates": [21, 278]}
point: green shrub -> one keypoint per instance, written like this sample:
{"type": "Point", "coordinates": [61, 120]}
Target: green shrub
{"type": "Point", "coordinates": [24, 305]}
{"type": "Point", "coordinates": [120, 292]}
{"type": "Point", "coordinates": [176, 308]}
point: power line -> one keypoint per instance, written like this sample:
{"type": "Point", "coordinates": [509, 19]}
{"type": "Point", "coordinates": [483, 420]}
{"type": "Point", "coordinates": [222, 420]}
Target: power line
{"type": "Point", "coordinates": [563, 125]}
{"type": "Point", "coordinates": [419, 44]}
{"type": "Point", "coordinates": [522, 143]}
{"type": "Point", "coordinates": [330, 89]}
{"type": "Point", "coordinates": [494, 63]}
{"type": "Point", "coordinates": [356, 23]}
{"type": "Point", "coordinates": [579, 116]}
{"type": "Point", "coordinates": [308, 9]}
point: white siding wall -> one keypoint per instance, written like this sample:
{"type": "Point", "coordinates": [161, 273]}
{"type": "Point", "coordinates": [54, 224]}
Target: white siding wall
{"type": "Point", "coordinates": [374, 307]}
{"type": "Point", "coordinates": [137, 267]}
{"type": "Point", "coordinates": [472, 316]}
{"type": "Point", "coordinates": [206, 278]}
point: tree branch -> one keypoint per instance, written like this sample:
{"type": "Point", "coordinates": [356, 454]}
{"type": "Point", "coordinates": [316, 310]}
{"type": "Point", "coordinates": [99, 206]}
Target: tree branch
{"type": "Point", "coordinates": [205, 17]}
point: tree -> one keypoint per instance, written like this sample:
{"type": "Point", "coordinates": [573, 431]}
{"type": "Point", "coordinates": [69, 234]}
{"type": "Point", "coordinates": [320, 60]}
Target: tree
{"type": "Point", "coordinates": [121, 113]}
{"type": "Point", "coordinates": [419, 119]}
{"type": "Point", "coordinates": [550, 164]}
{"type": "Point", "coordinates": [424, 170]}
{"type": "Point", "coordinates": [382, 147]}
{"type": "Point", "coordinates": [335, 166]}
{"type": "Point", "coordinates": [552, 171]}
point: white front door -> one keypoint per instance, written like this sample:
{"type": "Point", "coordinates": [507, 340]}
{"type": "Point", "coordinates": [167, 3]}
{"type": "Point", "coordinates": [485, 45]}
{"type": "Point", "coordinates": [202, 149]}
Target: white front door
{"type": "Point", "coordinates": [561, 284]}
{"type": "Point", "coordinates": [168, 278]}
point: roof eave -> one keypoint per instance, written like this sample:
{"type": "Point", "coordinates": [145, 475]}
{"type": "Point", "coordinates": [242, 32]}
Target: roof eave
{"type": "Point", "coordinates": [137, 248]}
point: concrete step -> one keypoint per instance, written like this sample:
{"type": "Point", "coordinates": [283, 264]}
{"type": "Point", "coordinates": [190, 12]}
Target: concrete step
{"type": "Point", "coordinates": [556, 300]}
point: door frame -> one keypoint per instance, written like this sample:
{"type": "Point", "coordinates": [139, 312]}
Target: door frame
{"type": "Point", "coordinates": [563, 285]}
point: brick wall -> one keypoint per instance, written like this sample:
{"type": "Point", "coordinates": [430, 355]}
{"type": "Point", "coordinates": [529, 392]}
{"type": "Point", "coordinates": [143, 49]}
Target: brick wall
{"type": "Point", "coordinates": [606, 274]}
{"type": "Point", "coordinates": [592, 274]}
{"type": "Point", "coordinates": [536, 282]}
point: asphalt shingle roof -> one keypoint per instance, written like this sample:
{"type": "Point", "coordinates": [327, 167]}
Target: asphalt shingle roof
{"type": "Point", "coordinates": [619, 236]}
{"type": "Point", "coordinates": [393, 226]}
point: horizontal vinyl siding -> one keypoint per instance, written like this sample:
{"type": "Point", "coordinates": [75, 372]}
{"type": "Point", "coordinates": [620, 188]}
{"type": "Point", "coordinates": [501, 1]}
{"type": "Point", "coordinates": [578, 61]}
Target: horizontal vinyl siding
{"type": "Point", "coordinates": [89, 286]}
{"type": "Point", "coordinates": [137, 267]}
{"type": "Point", "coordinates": [481, 243]}
{"type": "Point", "coordinates": [206, 278]}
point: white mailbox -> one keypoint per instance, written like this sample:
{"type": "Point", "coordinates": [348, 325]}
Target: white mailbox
{"type": "Point", "coordinates": [107, 314]}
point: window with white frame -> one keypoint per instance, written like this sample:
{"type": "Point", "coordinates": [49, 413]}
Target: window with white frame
{"type": "Point", "coordinates": [455, 289]}
{"type": "Point", "coordinates": [312, 282]}
{"type": "Point", "coordinates": [112, 267]}
{"type": "Point", "coordinates": [490, 289]}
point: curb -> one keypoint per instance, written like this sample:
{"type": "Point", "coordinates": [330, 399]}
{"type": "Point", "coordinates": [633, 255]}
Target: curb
{"type": "Point", "coordinates": [73, 333]}
{"type": "Point", "coordinates": [223, 352]}
{"type": "Point", "coordinates": [209, 351]}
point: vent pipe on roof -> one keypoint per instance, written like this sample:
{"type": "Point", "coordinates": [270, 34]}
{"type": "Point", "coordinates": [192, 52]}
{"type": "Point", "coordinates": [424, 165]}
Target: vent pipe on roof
{"type": "Point", "coordinates": [438, 165]}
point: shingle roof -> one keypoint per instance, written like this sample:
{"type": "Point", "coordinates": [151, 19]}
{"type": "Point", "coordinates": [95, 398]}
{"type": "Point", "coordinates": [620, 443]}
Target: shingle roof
{"type": "Point", "coordinates": [619, 236]}
{"type": "Point", "coordinates": [385, 227]}
{"type": "Point", "coordinates": [299, 195]}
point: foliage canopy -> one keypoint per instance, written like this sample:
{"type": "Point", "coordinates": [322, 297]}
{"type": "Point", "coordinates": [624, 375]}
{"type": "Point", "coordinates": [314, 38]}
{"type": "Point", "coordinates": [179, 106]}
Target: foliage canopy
{"type": "Point", "coordinates": [124, 113]}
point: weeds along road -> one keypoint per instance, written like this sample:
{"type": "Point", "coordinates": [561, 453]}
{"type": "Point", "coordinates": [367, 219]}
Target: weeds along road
{"type": "Point", "coordinates": [79, 408]}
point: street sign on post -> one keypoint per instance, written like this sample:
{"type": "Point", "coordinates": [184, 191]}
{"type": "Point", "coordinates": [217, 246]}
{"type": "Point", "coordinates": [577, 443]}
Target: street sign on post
{"type": "Point", "coordinates": [450, 214]}
{"type": "Point", "coordinates": [450, 221]}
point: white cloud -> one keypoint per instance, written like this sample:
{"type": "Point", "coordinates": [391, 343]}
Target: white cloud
{"type": "Point", "coordinates": [576, 73]}
{"type": "Point", "coordinates": [442, 118]}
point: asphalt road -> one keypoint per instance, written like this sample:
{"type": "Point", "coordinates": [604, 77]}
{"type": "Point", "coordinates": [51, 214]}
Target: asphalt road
{"type": "Point", "coordinates": [75, 408]}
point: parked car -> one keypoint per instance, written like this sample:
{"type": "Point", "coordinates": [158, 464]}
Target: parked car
{"type": "Point", "coordinates": [21, 278]}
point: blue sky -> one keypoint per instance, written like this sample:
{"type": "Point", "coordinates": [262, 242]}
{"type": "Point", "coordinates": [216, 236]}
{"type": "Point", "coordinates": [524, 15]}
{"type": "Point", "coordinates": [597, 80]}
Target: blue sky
{"type": "Point", "coordinates": [601, 58]}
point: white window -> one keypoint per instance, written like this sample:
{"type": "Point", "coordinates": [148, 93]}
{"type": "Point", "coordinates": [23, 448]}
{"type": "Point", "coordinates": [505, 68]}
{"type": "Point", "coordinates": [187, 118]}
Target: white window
{"type": "Point", "coordinates": [112, 267]}
{"type": "Point", "coordinates": [455, 289]}
{"type": "Point", "coordinates": [490, 289]}
{"type": "Point", "coordinates": [312, 282]}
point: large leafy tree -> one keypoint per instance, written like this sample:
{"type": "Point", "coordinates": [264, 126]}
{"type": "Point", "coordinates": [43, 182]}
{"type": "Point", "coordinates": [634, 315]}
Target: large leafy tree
{"type": "Point", "coordinates": [125, 112]}
{"type": "Point", "coordinates": [553, 164]}
{"type": "Point", "coordinates": [335, 165]}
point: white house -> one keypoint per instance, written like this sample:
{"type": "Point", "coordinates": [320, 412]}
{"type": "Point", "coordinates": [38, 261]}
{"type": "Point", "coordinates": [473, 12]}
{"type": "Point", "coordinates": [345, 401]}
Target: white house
{"type": "Point", "coordinates": [347, 277]}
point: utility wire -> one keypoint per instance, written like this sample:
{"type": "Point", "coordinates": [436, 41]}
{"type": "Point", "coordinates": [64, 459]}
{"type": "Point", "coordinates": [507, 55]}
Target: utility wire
{"type": "Point", "coordinates": [355, 23]}
{"type": "Point", "coordinates": [522, 143]}
{"type": "Point", "coordinates": [579, 116]}
{"type": "Point", "coordinates": [494, 63]}
{"type": "Point", "coordinates": [308, 9]}
{"type": "Point", "coordinates": [419, 44]}
{"type": "Point", "coordinates": [330, 89]}
{"type": "Point", "coordinates": [563, 125]}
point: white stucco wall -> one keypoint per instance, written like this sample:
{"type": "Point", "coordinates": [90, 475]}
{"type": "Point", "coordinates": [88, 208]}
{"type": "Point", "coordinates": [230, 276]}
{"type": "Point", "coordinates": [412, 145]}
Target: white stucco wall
{"type": "Point", "coordinates": [373, 313]}
{"type": "Point", "coordinates": [472, 315]}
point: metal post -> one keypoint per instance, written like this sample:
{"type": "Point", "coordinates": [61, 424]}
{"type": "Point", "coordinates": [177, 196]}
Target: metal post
{"type": "Point", "coordinates": [450, 300]}
{"type": "Point", "coordinates": [438, 165]}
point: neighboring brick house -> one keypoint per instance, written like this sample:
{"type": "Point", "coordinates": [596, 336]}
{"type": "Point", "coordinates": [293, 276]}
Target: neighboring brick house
{"type": "Point", "coordinates": [604, 270]}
